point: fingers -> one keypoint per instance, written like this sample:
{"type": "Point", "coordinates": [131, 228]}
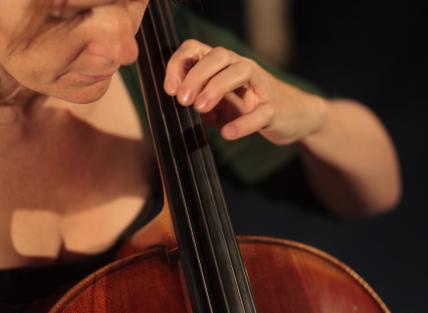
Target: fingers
{"type": "Point", "coordinates": [203, 73]}
{"type": "Point", "coordinates": [249, 123]}
{"type": "Point", "coordinates": [230, 107]}
{"type": "Point", "coordinates": [228, 80]}
{"type": "Point", "coordinates": [189, 53]}
{"type": "Point", "coordinates": [196, 67]}
{"type": "Point", "coordinates": [204, 76]}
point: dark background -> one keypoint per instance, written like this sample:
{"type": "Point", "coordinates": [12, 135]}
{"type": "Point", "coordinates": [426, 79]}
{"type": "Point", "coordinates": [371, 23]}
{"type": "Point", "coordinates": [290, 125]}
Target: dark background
{"type": "Point", "coordinates": [373, 51]}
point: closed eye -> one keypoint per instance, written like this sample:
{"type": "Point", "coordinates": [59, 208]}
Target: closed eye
{"type": "Point", "coordinates": [70, 14]}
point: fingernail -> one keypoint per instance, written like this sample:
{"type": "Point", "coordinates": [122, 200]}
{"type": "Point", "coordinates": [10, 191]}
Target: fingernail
{"type": "Point", "coordinates": [203, 102]}
{"type": "Point", "coordinates": [185, 96]}
{"type": "Point", "coordinates": [171, 86]}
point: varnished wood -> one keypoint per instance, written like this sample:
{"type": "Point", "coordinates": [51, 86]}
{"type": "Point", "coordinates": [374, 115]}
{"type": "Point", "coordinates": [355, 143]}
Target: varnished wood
{"type": "Point", "coordinates": [286, 277]}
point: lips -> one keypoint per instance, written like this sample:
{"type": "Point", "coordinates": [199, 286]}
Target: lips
{"type": "Point", "coordinates": [98, 77]}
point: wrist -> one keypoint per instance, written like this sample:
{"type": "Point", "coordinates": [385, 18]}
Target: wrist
{"type": "Point", "coordinates": [321, 115]}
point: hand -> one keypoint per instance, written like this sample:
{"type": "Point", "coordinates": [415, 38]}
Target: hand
{"type": "Point", "coordinates": [240, 96]}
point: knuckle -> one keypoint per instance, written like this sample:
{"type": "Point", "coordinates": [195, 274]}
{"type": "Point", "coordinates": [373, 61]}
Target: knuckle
{"type": "Point", "coordinates": [189, 43]}
{"type": "Point", "coordinates": [224, 55]}
{"type": "Point", "coordinates": [250, 63]}
{"type": "Point", "coordinates": [244, 69]}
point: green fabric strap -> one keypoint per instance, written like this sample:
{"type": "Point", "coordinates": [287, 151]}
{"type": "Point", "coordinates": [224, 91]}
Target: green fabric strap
{"type": "Point", "coordinates": [250, 159]}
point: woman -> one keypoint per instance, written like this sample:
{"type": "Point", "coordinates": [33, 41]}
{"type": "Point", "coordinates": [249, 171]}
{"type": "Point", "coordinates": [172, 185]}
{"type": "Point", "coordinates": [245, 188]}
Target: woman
{"type": "Point", "coordinates": [71, 149]}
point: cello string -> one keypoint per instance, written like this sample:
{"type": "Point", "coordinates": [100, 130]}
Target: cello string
{"type": "Point", "coordinates": [198, 258]}
{"type": "Point", "coordinates": [173, 41]}
{"type": "Point", "coordinates": [163, 114]}
{"type": "Point", "coordinates": [219, 199]}
{"type": "Point", "coordinates": [205, 163]}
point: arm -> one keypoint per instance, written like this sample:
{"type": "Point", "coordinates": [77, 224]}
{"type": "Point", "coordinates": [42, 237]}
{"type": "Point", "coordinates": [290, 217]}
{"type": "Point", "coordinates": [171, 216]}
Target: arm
{"type": "Point", "coordinates": [348, 156]}
{"type": "Point", "coordinates": [350, 162]}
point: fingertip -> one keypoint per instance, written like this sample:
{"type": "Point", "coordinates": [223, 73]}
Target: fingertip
{"type": "Point", "coordinates": [171, 86]}
{"type": "Point", "coordinates": [230, 132]}
{"type": "Point", "coordinates": [184, 96]}
{"type": "Point", "coordinates": [203, 103]}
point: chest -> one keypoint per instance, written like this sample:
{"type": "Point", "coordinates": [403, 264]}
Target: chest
{"type": "Point", "coordinates": [75, 187]}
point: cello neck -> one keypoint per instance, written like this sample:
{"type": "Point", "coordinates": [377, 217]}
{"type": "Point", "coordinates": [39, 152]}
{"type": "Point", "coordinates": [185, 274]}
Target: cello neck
{"type": "Point", "coordinates": [213, 269]}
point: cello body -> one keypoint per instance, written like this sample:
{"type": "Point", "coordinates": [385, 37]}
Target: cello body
{"type": "Point", "coordinates": [285, 276]}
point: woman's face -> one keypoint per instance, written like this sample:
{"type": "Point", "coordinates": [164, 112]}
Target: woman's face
{"type": "Point", "coordinates": [77, 50]}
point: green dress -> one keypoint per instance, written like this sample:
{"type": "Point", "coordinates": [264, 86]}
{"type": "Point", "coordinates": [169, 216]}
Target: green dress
{"type": "Point", "coordinates": [251, 159]}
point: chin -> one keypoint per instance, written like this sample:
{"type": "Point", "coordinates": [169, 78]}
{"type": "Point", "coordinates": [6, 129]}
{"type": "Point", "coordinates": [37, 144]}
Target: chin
{"type": "Point", "coordinates": [87, 94]}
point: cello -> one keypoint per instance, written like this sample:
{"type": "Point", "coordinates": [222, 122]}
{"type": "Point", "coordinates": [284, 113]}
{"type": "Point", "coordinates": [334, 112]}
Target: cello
{"type": "Point", "coordinates": [210, 270]}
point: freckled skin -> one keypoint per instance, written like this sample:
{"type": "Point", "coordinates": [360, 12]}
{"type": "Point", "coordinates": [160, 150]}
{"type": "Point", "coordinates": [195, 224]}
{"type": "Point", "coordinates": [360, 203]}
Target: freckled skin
{"type": "Point", "coordinates": [51, 141]}
{"type": "Point", "coordinates": [60, 60]}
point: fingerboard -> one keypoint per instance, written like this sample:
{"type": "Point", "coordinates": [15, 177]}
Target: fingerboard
{"type": "Point", "coordinates": [214, 272]}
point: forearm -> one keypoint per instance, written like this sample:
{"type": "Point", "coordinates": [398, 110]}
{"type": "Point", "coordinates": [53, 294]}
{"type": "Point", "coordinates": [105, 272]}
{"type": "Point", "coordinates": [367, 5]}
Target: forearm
{"type": "Point", "coordinates": [351, 162]}
{"type": "Point", "coordinates": [348, 155]}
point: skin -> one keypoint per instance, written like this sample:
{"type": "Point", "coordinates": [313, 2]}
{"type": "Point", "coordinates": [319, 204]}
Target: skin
{"type": "Point", "coordinates": [99, 40]}
{"type": "Point", "coordinates": [64, 118]}
{"type": "Point", "coordinates": [70, 66]}
{"type": "Point", "coordinates": [348, 156]}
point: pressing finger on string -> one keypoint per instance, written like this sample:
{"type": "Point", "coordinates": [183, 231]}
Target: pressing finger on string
{"type": "Point", "coordinates": [206, 69]}
{"type": "Point", "coordinates": [186, 56]}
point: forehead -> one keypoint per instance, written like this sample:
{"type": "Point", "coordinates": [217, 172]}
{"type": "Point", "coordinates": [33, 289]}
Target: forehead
{"type": "Point", "coordinates": [13, 12]}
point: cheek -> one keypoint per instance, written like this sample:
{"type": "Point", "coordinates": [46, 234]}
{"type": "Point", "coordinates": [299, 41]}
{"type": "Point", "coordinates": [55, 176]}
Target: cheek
{"type": "Point", "coordinates": [41, 68]}
{"type": "Point", "coordinates": [57, 57]}
{"type": "Point", "coordinates": [26, 69]}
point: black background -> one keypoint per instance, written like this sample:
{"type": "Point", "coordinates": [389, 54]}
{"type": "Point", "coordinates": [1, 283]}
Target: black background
{"type": "Point", "coordinates": [373, 51]}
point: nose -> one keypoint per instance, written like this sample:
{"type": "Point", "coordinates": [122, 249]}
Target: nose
{"type": "Point", "coordinates": [116, 41]}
